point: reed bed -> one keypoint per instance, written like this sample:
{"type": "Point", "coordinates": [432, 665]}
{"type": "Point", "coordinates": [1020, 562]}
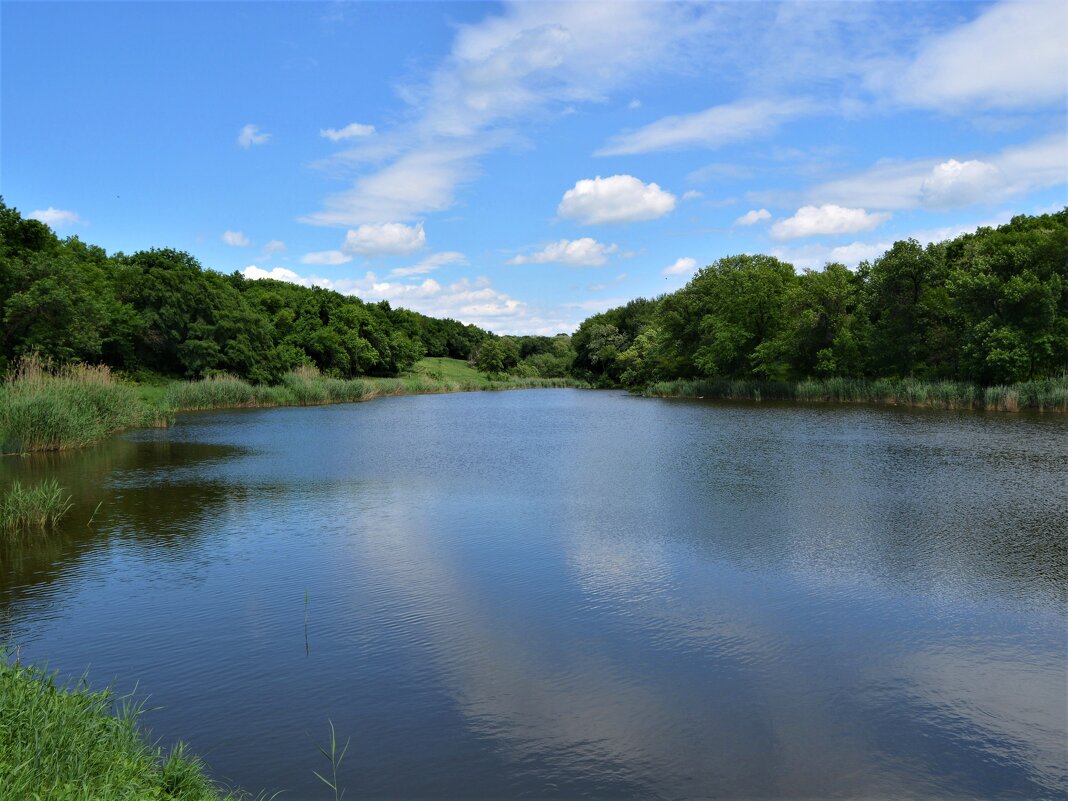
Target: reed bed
{"type": "Point", "coordinates": [68, 743]}
{"type": "Point", "coordinates": [43, 407]}
{"type": "Point", "coordinates": [35, 507]}
{"type": "Point", "coordinates": [1046, 395]}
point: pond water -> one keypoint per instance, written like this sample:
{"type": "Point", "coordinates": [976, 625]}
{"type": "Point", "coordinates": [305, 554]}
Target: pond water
{"type": "Point", "coordinates": [564, 594]}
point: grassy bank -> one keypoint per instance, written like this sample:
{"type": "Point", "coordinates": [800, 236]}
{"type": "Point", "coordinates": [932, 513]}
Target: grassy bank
{"type": "Point", "coordinates": [68, 744]}
{"type": "Point", "coordinates": [69, 407]}
{"type": "Point", "coordinates": [1048, 395]}
{"type": "Point", "coordinates": [43, 408]}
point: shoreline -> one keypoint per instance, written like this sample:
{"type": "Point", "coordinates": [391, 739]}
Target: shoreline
{"type": "Point", "coordinates": [1047, 395]}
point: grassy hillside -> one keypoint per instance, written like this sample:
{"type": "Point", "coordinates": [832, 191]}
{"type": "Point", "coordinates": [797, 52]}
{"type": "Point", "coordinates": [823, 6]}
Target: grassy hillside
{"type": "Point", "coordinates": [442, 368]}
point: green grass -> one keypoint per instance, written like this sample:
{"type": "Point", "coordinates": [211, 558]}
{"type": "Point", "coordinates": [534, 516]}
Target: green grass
{"type": "Point", "coordinates": [456, 371]}
{"type": "Point", "coordinates": [44, 408]}
{"type": "Point", "coordinates": [62, 743]}
{"type": "Point", "coordinates": [1047, 395]}
{"type": "Point", "coordinates": [41, 506]}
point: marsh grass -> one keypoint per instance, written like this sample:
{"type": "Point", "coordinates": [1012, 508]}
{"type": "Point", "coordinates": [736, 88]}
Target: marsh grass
{"type": "Point", "coordinates": [1047, 395]}
{"type": "Point", "coordinates": [67, 743]}
{"type": "Point", "coordinates": [44, 407]}
{"type": "Point", "coordinates": [35, 507]}
{"type": "Point", "coordinates": [54, 408]}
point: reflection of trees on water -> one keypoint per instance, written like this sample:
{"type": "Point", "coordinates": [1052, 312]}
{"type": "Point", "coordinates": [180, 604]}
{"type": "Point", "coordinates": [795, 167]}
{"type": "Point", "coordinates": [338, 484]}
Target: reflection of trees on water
{"type": "Point", "coordinates": [138, 504]}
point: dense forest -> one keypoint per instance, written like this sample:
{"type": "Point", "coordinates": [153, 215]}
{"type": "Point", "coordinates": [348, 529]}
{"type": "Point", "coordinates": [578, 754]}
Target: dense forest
{"type": "Point", "coordinates": [159, 311]}
{"type": "Point", "coordinates": [988, 307]}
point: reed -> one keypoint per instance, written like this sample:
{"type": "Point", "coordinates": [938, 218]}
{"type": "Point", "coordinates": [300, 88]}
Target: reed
{"type": "Point", "coordinates": [43, 407]}
{"type": "Point", "coordinates": [69, 743]}
{"type": "Point", "coordinates": [36, 507]}
{"type": "Point", "coordinates": [1045, 395]}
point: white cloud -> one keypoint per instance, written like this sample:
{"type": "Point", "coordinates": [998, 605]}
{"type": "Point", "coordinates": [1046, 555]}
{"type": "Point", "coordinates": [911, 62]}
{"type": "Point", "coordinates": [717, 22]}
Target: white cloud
{"type": "Point", "coordinates": [635, 103]}
{"type": "Point", "coordinates": [692, 194]}
{"type": "Point", "coordinates": [616, 199]}
{"type": "Point", "coordinates": [526, 63]}
{"type": "Point", "coordinates": [430, 263]}
{"type": "Point", "coordinates": [253, 272]}
{"type": "Point", "coordinates": [386, 238]}
{"type": "Point", "coordinates": [418, 182]}
{"type": "Point", "coordinates": [992, 178]}
{"type": "Point", "coordinates": [681, 266]}
{"type": "Point", "coordinates": [1012, 56]}
{"type": "Point", "coordinates": [855, 252]}
{"type": "Point", "coordinates": [350, 131]}
{"type": "Point", "coordinates": [711, 128]}
{"type": "Point", "coordinates": [828, 219]}
{"type": "Point", "coordinates": [585, 252]}
{"type": "Point", "coordinates": [57, 218]}
{"type": "Point", "coordinates": [815, 256]}
{"type": "Point", "coordinates": [235, 239]}
{"type": "Point", "coordinates": [274, 246]}
{"type": "Point", "coordinates": [959, 183]}
{"type": "Point", "coordinates": [326, 257]}
{"type": "Point", "coordinates": [252, 135]}
{"type": "Point", "coordinates": [753, 216]}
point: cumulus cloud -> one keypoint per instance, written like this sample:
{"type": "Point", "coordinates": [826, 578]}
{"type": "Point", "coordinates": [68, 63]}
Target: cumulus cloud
{"type": "Point", "coordinates": [385, 238]}
{"type": "Point", "coordinates": [326, 257]}
{"type": "Point", "coordinates": [692, 194]}
{"type": "Point", "coordinates": [616, 199]}
{"type": "Point", "coordinates": [681, 266]}
{"type": "Point", "coordinates": [252, 135]}
{"type": "Point", "coordinates": [753, 216]}
{"type": "Point", "coordinates": [711, 128]}
{"type": "Point", "coordinates": [585, 252]}
{"type": "Point", "coordinates": [815, 256]}
{"type": "Point", "coordinates": [274, 246]}
{"type": "Point", "coordinates": [943, 182]}
{"type": "Point", "coordinates": [57, 218]}
{"type": "Point", "coordinates": [350, 131]}
{"type": "Point", "coordinates": [826, 220]}
{"type": "Point", "coordinates": [235, 239]}
{"type": "Point", "coordinates": [474, 301]}
{"type": "Point", "coordinates": [253, 272]}
{"type": "Point", "coordinates": [959, 183]}
{"type": "Point", "coordinates": [1012, 56]}
{"type": "Point", "coordinates": [430, 263]}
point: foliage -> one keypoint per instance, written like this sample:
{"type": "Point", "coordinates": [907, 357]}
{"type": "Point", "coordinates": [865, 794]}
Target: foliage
{"type": "Point", "coordinates": [160, 311]}
{"type": "Point", "coordinates": [987, 308]}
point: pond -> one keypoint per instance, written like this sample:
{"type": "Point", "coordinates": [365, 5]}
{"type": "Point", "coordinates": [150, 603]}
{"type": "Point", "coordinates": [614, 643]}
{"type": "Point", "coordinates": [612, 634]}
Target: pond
{"type": "Point", "coordinates": [564, 593]}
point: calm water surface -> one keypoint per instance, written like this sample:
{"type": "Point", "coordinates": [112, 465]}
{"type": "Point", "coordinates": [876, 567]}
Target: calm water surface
{"type": "Point", "coordinates": [565, 594]}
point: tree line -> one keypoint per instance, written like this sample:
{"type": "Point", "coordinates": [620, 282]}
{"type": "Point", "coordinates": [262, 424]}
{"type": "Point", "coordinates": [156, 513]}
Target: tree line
{"type": "Point", "coordinates": [990, 307]}
{"type": "Point", "coordinates": [160, 311]}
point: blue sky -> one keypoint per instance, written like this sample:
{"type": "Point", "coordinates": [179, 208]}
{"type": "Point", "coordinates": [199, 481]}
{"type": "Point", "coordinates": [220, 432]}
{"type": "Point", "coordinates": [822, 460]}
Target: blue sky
{"type": "Point", "coordinates": [521, 166]}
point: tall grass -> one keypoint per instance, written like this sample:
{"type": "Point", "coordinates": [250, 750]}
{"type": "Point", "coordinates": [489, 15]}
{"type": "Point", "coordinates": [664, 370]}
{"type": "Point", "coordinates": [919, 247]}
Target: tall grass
{"type": "Point", "coordinates": [1046, 395]}
{"type": "Point", "coordinates": [306, 387]}
{"type": "Point", "coordinates": [71, 744]}
{"type": "Point", "coordinates": [51, 408]}
{"type": "Point", "coordinates": [41, 506]}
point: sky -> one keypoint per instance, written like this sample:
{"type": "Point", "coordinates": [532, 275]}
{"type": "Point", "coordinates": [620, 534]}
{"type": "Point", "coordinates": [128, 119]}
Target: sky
{"type": "Point", "coordinates": [521, 166]}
